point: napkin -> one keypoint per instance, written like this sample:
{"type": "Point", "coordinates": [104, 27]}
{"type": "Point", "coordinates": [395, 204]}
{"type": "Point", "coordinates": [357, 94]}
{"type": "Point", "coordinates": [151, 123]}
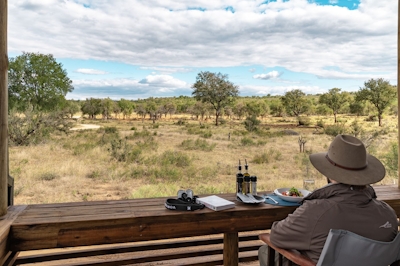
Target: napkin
{"type": "Point", "coordinates": [280, 201]}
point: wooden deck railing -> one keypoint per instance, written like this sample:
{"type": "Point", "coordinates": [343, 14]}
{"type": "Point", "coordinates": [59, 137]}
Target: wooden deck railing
{"type": "Point", "coordinates": [142, 230]}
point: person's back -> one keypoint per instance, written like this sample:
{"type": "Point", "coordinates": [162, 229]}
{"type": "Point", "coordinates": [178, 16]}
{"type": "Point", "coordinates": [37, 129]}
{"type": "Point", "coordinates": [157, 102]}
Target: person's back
{"type": "Point", "coordinates": [336, 206]}
{"type": "Point", "coordinates": [349, 203]}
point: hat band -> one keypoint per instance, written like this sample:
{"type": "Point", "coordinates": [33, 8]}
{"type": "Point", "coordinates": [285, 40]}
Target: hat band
{"type": "Point", "coordinates": [344, 167]}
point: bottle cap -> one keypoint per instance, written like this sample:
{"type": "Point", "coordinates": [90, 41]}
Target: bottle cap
{"type": "Point", "coordinates": [253, 178]}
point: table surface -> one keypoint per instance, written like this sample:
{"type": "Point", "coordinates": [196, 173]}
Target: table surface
{"type": "Point", "coordinates": [104, 222]}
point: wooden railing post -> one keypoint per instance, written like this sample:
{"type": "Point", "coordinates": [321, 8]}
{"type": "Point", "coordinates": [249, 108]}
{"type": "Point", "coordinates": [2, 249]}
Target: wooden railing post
{"type": "Point", "coordinates": [398, 90]}
{"type": "Point", "coordinates": [3, 109]}
{"type": "Point", "coordinates": [231, 249]}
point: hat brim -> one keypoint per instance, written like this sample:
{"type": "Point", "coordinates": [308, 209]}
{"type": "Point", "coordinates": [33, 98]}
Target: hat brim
{"type": "Point", "coordinates": [374, 172]}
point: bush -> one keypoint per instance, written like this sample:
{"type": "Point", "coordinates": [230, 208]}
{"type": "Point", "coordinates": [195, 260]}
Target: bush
{"type": "Point", "coordinates": [247, 142]}
{"type": "Point", "coordinates": [199, 144]}
{"type": "Point", "coordinates": [304, 121]}
{"type": "Point", "coordinates": [48, 176]}
{"type": "Point", "coordinates": [110, 130]}
{"type": "Point", "coordinates": [181, 122]}
{"type": "Point", "coordinates": [334, 130]}
{"type": "Point", "coordinates": [171, 158]}
{"type": "Point", "coordinates": [391, 159]}
{"type": "Point", "coordinates": [320, 123]}
{"type": "Point", "coordinates": [267, 156]}
{"type": "Point", "coordinates": [120, 149]}
{"type": "Point", "coordinates": [371, 118]}
{"type": "Point", "coordinates": [34, 127]}
{"type": "Point", "coordinates": [251, 123]}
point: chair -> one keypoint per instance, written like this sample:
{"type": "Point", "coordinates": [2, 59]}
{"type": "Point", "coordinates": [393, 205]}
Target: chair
{"type": "Point", "coordinates": [342, 248]}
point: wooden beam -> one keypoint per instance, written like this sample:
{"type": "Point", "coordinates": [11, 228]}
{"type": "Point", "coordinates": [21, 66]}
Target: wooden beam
{"type": "Point", "coordinates": [398, 90]}
{"type": "Point", "coordinates": [3, 109]}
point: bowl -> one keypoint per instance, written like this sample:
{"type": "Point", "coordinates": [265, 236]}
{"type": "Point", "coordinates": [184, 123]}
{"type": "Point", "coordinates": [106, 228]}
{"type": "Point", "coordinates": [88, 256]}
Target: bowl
{"type": "Point", "coordinates": [279, 192]}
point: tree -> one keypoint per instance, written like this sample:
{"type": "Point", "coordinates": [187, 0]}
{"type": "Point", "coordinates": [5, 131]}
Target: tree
{"type": "Point", "coordinates": [379, 92]}
{"type": "Point", "coordinates": [70, 108]}
{"type": "Point", "coordinates": [126, 107]}
{"type": "Point", "coordinates": [92, 107]}
{"type": "Point", "coordinates": [107, 107]}
{"type": "Point", "coordinates": [334, 99]}
{"type": "Point", "coordinates": [295, 102]}
{"type": "Point", "coordinates": [214, 88]}
{"type": "Point", "coordinates": [36, 80]}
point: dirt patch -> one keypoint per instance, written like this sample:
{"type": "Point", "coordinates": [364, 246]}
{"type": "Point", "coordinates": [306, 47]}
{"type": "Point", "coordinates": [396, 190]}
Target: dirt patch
{"type": "Point", "coordinates": [85, 127]}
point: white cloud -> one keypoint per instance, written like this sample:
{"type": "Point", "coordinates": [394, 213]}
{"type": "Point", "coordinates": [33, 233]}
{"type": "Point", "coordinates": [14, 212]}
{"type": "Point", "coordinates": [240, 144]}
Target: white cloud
{"type": "Point", "coordinates": [168, 70]}
{"type": "Point", "coordinates": [90, 71]}
{"type": "Point", "coordinates": [271, 75]}
{"type": "Point", "coordinates": [277, 90]}
{"type": "Point", "coordinates": [151, 86]}
{"type": "Point", "coordinates": [164, 81]}
{"type": "Point", "coordinates": [169, 36]}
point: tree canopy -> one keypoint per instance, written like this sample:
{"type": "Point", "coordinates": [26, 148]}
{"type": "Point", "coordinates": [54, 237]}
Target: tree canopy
{"type": "Point", "coordinates": [295, 102]}
{"type": "Point", "coordinates": [215, 89]}
{"type": "Point", "coordinates": [334, 99]}
{"type": "Point", "coordinates": [379, 92]}
{"type": "Point", "coordinates": [37, 81]}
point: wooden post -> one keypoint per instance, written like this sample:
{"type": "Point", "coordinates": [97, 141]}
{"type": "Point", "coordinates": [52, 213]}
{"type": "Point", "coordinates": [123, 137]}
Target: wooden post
{"type": "Point", "coordinates": [398, 91]}
{"type": "Point", "coordinates": [3, 109]}
{"type": "Point", "coordinates": [231, 249]}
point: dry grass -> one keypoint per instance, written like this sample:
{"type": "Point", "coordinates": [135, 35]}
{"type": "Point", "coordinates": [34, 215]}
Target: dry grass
{"type": "Point", "coordinates": [79, 167]}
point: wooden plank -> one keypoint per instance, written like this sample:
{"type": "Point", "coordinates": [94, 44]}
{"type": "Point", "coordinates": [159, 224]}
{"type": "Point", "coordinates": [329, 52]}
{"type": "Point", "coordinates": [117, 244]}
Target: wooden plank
{"type": "Point", "coordinates": [5, 225]}
{"type": "Point", "coordinates": [139, 225]}
{"type": "Point", "coordinates": [72, 224]}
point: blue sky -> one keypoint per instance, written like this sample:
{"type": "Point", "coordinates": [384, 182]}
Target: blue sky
{"type": "Point", "coordinates": [155, 48]}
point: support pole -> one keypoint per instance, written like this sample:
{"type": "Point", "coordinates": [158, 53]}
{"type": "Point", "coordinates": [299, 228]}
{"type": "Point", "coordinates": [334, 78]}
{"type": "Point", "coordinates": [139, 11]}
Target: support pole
{"type": "Point", "coordinates": [3, 109]}
{"type": "Point", "coordinates": [398, 91]}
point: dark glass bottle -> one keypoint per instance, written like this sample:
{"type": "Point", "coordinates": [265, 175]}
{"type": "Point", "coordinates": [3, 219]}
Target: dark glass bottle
{"type": "Point", "coordinates": [246, 177]}
{"type": "Point", "coordinates": [239, 179]}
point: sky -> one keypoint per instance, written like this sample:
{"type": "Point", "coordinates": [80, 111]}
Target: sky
{"type": "Point", "coordinates": [136, 49]}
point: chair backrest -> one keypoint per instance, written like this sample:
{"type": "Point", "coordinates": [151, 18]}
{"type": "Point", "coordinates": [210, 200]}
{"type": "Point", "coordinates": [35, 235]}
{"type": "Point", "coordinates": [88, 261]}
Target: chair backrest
{"type": "Point", "coordinates": [346, 248]}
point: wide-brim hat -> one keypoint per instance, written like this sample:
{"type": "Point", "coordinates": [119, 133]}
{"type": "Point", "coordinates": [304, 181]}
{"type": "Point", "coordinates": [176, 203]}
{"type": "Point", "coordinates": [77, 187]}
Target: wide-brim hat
{"type": "Point", "coordinates": [348, 162]}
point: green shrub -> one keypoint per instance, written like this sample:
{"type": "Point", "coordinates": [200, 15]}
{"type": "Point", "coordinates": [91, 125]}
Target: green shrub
{"type": "Point", "coordinates": [119, 149]}
{"type": "Point", "coordinates": [48, 176]}
{"type": "Point", "coordinates": [110, 130]}
{"type": "Point", "coordinates": [133, 128]}
{"type": "Point", "coordinates": [147, 143]}
{"type": "Point", "coordinates": [334, 130]}
{"type": "Point", "coordinates": [181, 122]}
{"type": "Point", "coordinates": [267, 157]}
{"type": "Point", "coordinates": [304, 121]}
{"type": "Point", "coordinates": [251, 123]}
{"type": "Point", "coordinates": [173, 158]}
{"type": "Point", "coordinates": [320, 123]}
{"type": "Point", "coordinates": [206, 134]}
{"type": "Point", "coordinates": [391, 159]}
{"type": "Point", "coordinates": [247, 141]}
{"type": "Point", "coordinates": [93, 174]}
{"type": "Point", "coordinates": [371, 118]}
{"type": "Point", "coordinates": [199, 144]}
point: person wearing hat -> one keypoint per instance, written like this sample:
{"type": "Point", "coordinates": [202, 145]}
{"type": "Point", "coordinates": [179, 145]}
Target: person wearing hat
{"type": "Point", "coordinates": [348, 202]}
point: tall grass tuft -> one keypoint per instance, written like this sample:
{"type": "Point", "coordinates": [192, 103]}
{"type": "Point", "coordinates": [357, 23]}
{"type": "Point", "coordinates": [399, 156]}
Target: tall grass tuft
{"type": "Point", "coordinates": [198, 144]}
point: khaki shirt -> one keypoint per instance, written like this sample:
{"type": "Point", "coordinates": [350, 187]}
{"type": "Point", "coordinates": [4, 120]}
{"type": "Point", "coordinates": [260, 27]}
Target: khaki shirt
{"type": "Point", "coordinates": [335, 206]}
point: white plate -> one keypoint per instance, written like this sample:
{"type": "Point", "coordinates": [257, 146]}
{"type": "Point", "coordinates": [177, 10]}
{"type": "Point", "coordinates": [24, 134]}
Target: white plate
{"type": "Point", "coordinates": [279, 192]}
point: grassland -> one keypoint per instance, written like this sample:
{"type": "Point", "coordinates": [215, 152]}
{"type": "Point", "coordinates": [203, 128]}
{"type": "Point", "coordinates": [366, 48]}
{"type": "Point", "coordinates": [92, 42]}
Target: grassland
{"type": "Point", "coordinates": [137, 158]}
